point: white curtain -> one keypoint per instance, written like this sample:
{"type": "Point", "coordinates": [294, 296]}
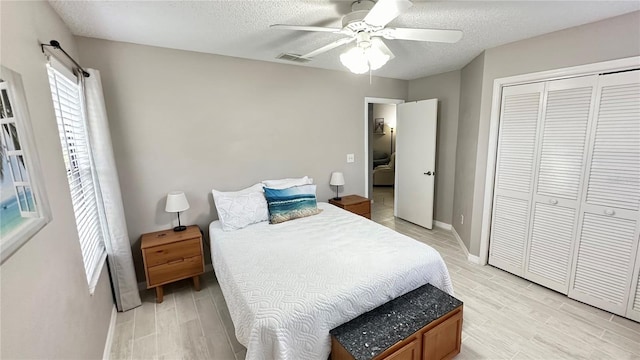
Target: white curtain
{"type": "Point", "coordinates": [119, 258]}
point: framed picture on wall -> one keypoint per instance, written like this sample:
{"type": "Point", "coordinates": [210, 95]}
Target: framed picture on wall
{"type": "Point", "coordinates": [378, 126]}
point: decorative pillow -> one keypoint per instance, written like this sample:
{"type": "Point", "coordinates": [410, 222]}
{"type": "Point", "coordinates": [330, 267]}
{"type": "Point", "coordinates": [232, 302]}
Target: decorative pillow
{"type": "Point", "coordinates": [291, 203]}
{"type": "Point", "coordinates": [237, 209]}
{"type": "Point", "coordinates": [287, 183]}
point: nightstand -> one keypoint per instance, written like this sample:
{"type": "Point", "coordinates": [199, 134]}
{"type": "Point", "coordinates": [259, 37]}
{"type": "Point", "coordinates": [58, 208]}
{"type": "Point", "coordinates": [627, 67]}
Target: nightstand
{"type": "Point", "coordinates": [171, 256]}
{"type": "Point", "coordinates": [354, 203]}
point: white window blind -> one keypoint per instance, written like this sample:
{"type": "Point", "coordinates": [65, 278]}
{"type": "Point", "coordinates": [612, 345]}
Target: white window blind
{"type": "Point", "coordinates": [67, 103]}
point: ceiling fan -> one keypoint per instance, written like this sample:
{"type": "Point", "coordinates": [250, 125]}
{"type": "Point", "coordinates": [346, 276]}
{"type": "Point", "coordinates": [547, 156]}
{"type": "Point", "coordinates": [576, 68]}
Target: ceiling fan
{"type": "Point", "coordinates": [366, 25]}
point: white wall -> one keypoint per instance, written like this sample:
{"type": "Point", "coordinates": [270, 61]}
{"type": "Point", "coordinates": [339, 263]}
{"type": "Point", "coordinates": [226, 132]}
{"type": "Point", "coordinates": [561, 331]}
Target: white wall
{"type": "Point", "coordinates": [46, 308]}
{"type": "Point", "coordinates": [191, 121]}
{"type": "Point", "coordinates": [446, 88]}
{"type": "Point", "coordinates": [379, 142]}
{"type": "Point", "coordinates": [614, 38]}
{"type": "Point", "coordinates": [466, 147]}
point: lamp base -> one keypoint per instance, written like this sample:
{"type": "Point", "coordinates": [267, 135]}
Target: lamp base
{"type": "Point", "coordinates": [337, 198]}
{"type": "Point", "coordinates": [180, 228]}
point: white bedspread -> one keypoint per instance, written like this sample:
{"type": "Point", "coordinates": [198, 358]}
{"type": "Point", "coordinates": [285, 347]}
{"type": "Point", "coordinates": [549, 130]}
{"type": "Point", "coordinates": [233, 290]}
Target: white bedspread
{"type": "Point", "coordinates": [288, 284]}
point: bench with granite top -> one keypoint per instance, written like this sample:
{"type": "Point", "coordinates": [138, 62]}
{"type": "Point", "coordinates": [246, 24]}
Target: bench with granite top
{"type": "Point", "coordinates": [425, 323]}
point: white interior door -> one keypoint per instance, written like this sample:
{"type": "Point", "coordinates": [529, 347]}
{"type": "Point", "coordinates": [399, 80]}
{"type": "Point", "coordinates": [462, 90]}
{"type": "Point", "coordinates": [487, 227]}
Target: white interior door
{"type": "Point", "coordinates": [609, 226]}
{"type": "Point", "coordinates": [520, 114]}
{"type": "Point", "coordinates": [633, 309]}
{"type": "Point", "coordinates": [416, 161]}
{"type": "Point", "coordinates": [561, 157]}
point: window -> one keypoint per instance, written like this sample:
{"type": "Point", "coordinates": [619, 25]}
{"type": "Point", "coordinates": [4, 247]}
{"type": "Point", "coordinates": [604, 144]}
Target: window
{"type": "Point", "coordinates": [17, 198]}
{"type": "Point", "coordinates": [70, 116]}
{"type": "Point", "coordinates": [23, 210]}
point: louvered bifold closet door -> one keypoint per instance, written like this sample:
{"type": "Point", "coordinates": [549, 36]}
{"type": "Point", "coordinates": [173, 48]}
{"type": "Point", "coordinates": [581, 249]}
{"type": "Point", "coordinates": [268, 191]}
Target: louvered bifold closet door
{"type": "Point", "coordinates": [608, 229]}
{"type": "Point", "coordinates": [561, 159]}
{"type": "Point", "coordinates": [633, 309]}
{"type": "Point", "coordinates": [519, 117]}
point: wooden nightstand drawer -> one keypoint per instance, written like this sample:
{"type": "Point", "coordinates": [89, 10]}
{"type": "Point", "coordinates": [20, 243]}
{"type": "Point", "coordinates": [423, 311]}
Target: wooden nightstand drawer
{"type": "Point", "coordinates": [175, 270]}
{"type": "Point", "coordinates": [170, 252]}
{"type": "Point", "coordinates": [170, 256]}
{"type": "Point", "coordinates": [361, 209]}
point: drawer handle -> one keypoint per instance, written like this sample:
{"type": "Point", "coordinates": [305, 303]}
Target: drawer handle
{"type": "Point", "coordinates": [609, 212]}
{"type": "Point", "coordinates": [175, 261]}
{"type": "Point", "coordinates": [553, 201]}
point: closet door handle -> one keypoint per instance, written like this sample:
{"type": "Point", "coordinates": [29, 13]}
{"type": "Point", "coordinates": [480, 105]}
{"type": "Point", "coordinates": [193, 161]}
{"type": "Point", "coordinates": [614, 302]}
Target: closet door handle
{"type": "Point", "coordinates": [553, 201]}
{"type": "Point", "coordinates": [609, 212]}
{"type": "Point", "coordinates": [428, 173]}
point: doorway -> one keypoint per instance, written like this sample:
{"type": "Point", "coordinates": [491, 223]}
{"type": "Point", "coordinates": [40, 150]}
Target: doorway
{"type": "Point", "coordinates": [409, 177]}
{"type": "Point", "coordinates": [380, 123]}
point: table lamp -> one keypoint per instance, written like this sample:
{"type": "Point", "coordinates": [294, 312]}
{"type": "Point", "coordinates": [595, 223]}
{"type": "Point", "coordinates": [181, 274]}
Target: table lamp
{"type": "Point", "coordinates": [337, 179]}
{"type": "Point", "coordinates": [176, 202]}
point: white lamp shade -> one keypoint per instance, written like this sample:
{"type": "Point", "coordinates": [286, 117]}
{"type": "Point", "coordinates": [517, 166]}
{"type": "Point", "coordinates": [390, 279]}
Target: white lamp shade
{"type": "Point", "coordinates": [376, 54]}
{"type": "Point", "coordinates": [337, 179]}
{"type": "Point", "coordinates": [355, 60]}
{"type": "Point", "coordinates": [370, 53]}
{"type": "Point", "coordinates": [176, 202]}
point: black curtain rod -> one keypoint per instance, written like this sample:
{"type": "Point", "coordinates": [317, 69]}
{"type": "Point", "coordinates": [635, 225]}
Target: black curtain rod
{"type": "Point", "coordinates": [56, 45]}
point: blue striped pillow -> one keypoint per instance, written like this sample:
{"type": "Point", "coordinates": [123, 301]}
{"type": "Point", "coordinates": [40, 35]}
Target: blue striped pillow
{"type": "Point", "coordinates": [291, 203]}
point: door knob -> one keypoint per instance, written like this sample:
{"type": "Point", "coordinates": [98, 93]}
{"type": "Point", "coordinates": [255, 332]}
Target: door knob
{"type": "Point", "coordinates": [428, 173]}
{"type": "Point", "coordinates": [609, 212]}
{"type": "Point", "coordinates": [553, 201]}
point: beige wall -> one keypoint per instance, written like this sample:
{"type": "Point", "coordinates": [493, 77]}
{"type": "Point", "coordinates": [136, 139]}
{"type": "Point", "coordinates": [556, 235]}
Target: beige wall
{"type": "Point", "coordinates": [191, 121]}
{"type": "Point", "coordinates": [470, 100]}
{"type": "Point", "coordinates": [46, 308]}
{"type": "Point", "coordinates": [609, 39]}
{"type": "Point", "coordinates": [382, 143]}
{"type": "Point", "coordinates": [446, 88]}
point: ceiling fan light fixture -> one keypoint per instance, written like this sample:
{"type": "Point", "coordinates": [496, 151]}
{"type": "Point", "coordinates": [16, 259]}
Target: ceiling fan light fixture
{"type": "Point", "coordinates": [376, 58]}
{"type": "Point", "coordinates": [371, 54]}
{"type": "Point", "coordinates": [377, 54]}
{"type": "Point", "coordinates": [355, 60]}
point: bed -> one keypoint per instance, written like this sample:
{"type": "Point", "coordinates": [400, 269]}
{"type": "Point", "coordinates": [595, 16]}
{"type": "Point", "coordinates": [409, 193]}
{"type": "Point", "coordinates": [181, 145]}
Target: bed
{"type": "Point", "coordinates": [287, 285]}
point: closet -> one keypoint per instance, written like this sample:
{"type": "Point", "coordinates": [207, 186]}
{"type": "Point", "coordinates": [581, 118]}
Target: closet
{"type": "Point", "coordinates": [566, 206]}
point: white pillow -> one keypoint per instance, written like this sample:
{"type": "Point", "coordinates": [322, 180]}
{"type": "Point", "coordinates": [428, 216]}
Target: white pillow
{"type": "Point", "coordinates": [237, 209]}
{"type": "Point", "coordinates": [287, 183]}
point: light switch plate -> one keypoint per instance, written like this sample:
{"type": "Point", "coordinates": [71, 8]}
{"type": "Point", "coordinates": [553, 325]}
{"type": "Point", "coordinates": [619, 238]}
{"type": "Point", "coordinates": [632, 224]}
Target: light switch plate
{"type": "Point", "coordinates": [351, 158]}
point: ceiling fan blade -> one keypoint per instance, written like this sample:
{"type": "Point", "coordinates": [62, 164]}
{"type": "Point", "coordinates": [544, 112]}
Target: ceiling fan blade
{"type": "Point", "coordinates": [328, 47]}
{"type": "Point", "coordinates": [376, 41]}
{"type": "Point", "coordinates": [305, 28]}
{"type": "Point", "coordinates": [386, 10]}
{"type": "Point", "coordinates": [434, 35]}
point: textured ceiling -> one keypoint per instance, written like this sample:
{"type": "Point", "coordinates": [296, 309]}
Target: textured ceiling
{"type": "Point", "coordinates": [241, 28]}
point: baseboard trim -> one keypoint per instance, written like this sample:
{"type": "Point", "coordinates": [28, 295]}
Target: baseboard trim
{"type": "Point", "coordinates": [474, 259]}
{"type": "Point", "coordinates": [142, 285]}
{"type": "Point", "coordinates": [442, 225]}
{"type": "Point", "coordinates": [471, 258]}
{"type": "Point", "coordinates": [112, 329]}
{"type": "Point", "coordinates": [460, 242]}
{"type": "Point", "coordinates": [462, 246]}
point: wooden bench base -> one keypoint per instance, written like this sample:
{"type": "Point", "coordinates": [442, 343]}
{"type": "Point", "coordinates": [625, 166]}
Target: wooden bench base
{"type": "Point", "coordinates": [441, 339]}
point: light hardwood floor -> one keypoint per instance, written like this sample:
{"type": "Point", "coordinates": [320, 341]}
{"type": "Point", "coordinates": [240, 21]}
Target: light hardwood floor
{"type": "Point", "coordinates": [505, 317]}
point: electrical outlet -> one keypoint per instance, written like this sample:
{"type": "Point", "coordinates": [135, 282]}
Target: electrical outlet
{"type": "Point", "coordinates": [351, 158]}
{"type": "Point", "coordinates": [461, 219]}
